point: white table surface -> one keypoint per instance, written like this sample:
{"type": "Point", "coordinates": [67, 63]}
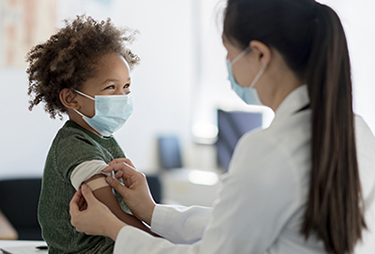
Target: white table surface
{"type": "Point", "coordinates": [15, 243]}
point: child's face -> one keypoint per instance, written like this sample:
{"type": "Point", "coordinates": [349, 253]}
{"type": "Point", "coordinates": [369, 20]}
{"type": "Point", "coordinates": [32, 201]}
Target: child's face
{"type": "Point", "coordinates": [112, 78]}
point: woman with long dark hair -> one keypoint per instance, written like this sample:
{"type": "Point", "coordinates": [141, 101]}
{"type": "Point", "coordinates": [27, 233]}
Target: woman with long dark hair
{"type": "Point", "coordinates": [306, 184]}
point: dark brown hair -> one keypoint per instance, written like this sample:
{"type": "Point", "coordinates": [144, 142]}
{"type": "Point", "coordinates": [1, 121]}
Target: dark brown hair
{"type": "Point", "coordinates": [311, 39]}
{"type": "Point", "coordinates": [69, 58]}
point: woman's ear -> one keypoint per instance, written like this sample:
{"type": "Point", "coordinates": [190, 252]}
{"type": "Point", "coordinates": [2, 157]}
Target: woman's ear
{"type": "Point", "coordinates": [68, 99]}
{"type": "Point", "coordinates": [264, 53]}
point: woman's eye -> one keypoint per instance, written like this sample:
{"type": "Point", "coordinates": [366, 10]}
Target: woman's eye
{"type": "Point", "coordinates": [126, 86]}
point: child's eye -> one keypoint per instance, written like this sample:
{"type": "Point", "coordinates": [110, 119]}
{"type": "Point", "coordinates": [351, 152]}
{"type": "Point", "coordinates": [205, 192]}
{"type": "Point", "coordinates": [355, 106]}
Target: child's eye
{"type": "Point", "coordinates": [110, 87]}
{"type": "Point", "coordinates": [126, 86]}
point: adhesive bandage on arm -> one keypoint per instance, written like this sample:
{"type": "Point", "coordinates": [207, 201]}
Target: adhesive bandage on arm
{"type": "Point", "coordinates": [97, 183]}
{"type": "Point", "coordinates": [86, 170]}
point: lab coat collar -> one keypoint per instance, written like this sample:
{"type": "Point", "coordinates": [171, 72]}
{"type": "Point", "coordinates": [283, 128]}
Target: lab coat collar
{"type": "Point", "coordinates": [295, 101]}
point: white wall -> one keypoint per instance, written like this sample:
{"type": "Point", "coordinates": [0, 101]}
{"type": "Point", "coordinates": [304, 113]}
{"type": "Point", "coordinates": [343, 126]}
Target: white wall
{"type": "Point", "coordinates": [358, 20]}
{"type": "Point", "coordinates": [214, 90]}
{"type": "Point", "coordinates": [164, 75]}
{"type": "Point", "coordinates": [164, 85]}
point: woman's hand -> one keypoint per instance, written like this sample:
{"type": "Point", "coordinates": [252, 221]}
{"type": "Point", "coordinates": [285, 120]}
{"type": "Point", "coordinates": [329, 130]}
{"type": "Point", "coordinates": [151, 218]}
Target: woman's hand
{"type": "Point", "coordinates": [92, 217]}
{"type": "Point", "coordinates": [135, 192]}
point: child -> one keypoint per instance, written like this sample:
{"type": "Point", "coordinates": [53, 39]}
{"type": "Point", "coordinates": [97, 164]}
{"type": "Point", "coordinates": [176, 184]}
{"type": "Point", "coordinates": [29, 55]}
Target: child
{"type": "Point", "coordinates": [82, 71]}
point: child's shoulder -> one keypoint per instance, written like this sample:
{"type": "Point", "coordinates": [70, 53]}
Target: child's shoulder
{"type": "Point", "coordinates": [73, 135]}
{"type": "Point", "coordinates": [72, 129]}
{"type": "Point", "coordinates": [71, 132]}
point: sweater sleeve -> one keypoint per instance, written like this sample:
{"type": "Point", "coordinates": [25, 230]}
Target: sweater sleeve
{"type": "Point", "coordinates": [73, 150]}
{"type": "Point", "coordinates": [86, 170]}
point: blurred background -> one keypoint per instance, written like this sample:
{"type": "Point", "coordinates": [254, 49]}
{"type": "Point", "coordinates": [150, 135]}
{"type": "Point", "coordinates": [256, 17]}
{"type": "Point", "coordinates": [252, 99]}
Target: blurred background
{"type": "Point", "coordinates": [185, 111]}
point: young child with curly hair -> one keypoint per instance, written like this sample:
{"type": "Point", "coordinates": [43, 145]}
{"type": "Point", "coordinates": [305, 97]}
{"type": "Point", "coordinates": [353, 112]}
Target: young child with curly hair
{"type": "Point", "coordinates": [83, 71]}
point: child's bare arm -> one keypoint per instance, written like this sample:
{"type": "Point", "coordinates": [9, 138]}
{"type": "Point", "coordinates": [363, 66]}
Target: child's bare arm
{"type": "Point", "coordinates": [105, 195]}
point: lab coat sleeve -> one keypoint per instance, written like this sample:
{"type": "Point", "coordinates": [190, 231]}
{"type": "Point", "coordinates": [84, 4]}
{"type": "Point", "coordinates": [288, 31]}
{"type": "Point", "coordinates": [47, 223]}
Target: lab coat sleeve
{"type": "Point", "coordinates": [180, 224]}
{"type": "Point", "coordinates": [257, 198]}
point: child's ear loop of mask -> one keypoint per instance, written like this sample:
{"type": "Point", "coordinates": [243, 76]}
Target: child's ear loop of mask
{"type": "Point", "coordinates": [83, 94]}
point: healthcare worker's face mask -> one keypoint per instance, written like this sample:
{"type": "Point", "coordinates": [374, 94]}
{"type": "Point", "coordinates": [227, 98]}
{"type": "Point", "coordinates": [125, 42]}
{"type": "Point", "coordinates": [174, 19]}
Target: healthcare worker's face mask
{"type": "Point", "coordinates": [111, 112]}
{"type": "Point", "coordinates": [247, 94]}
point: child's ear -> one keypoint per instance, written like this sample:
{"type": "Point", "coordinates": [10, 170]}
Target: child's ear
{"type": "Point", "coordinates": [68, 99]}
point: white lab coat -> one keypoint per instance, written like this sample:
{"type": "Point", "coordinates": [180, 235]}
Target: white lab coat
{"type": "Point", "coordinates": [261, 203]}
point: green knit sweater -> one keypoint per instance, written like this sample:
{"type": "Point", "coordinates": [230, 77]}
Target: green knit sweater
{"type": "Point", "coordinates": [71, 146]}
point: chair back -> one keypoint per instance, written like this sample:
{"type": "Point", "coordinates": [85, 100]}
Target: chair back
{"type": "Point", "coordinates": [19, 202]}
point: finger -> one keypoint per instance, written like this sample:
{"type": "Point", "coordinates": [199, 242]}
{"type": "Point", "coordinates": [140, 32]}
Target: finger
{"type": "Point", "coordinates": [127, 178]}
{"type": "Point", "coordinates": [83, 207]}
{"type": "Point", "coordinates": [129, 162]}
{"type": "Point", "coordinates": [74, 207]}
{"type": "Point", "coordinates": [108, 169]}
{"type": "Point", "coordinates": [81, 202]}
{"type": "Point", "coordinates": [87, 194]}
{"type": "Point", "coordinates": [115, 184]}
{"type": "Point", "coordinates": [126, 168]}
{"type": "Point", "coordinates": [119, 174]}
{"type": "Point", "coordinates": [115, 161]}
{"type": "Point", "coordinates": [121, 160]}
{"type": "Point", "coordinates": [118, 167]}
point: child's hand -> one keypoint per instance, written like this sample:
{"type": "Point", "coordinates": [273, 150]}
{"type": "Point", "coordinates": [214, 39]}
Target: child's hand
{"type": "Point", "coordinates": [135, 192]}
{"type": "Point", "coordinates": [96, 218]}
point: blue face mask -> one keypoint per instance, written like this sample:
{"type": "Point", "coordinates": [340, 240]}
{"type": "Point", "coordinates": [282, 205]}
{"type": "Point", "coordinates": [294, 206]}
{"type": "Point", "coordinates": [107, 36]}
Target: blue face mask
{"type": "Point", "coordinates": [247, 94]}
{"type": "Point", "coordinates": [111, 112]}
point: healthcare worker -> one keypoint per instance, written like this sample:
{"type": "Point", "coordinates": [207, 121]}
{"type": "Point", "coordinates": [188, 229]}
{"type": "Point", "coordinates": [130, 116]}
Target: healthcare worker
{"type": "Point", "coordinates": [306, 184]}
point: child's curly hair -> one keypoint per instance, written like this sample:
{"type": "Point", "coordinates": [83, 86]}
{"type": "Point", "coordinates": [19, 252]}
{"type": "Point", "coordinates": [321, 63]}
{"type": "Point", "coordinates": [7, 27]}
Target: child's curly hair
{"type": "Point", "coordinates": [68, 59]}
